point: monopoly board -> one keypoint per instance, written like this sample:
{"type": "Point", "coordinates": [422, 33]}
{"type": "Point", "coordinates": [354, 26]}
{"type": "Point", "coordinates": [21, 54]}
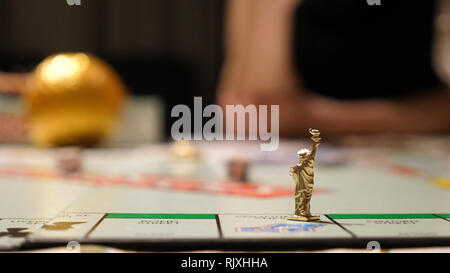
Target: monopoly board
{"type": "Point", "coordinates": [144, 198]}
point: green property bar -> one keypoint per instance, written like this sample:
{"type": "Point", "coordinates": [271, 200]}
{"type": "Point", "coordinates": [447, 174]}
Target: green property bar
{"type": "Point", "coordinates": [382, 216]}
{"type": "Point", "coordinates": [160, 216]}
{"type": "Point", "coordinates": [445, 215]}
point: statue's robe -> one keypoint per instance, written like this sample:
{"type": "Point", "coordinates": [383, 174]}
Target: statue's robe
{"type": "Point", "coordinates": [303, 174]}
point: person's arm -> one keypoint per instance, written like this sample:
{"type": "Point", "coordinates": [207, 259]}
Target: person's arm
{"type": "Point", "coordinates": [239, 21]}
{"type": "Point", "coordinates": [258, 67]}
{"type": "Point", "coordinates": [258, 56]}
{"type": "Point", "coordinates": [425, 113]}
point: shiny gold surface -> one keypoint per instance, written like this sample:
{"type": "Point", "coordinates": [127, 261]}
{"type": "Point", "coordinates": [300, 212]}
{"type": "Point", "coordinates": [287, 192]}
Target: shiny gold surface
{"type": "Point", "coordinates": [303, 174]}
{"type": "Point", "coordinates": [72, 99]}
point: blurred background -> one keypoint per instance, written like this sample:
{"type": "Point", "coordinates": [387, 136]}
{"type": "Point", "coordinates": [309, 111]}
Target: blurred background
{"type": "Point", "coordinates": [346, 67]}
{"type": "Point", "coordinates": [166, 51]}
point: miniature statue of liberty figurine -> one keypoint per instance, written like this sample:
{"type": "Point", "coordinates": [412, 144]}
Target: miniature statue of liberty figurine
{"type": "Point", "coordinates": [303, 174]}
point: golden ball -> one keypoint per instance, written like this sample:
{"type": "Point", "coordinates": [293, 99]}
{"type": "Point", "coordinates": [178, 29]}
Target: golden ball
{"type": "Point", "coordinates": [72, 99]}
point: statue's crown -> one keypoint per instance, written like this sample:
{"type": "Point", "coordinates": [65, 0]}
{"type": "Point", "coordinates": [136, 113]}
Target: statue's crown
{"type": "Point", "coordinates": [303, 152]}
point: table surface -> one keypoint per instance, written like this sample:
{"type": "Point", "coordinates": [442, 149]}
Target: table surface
{"type": "Point", "coordinates": [365, 188]}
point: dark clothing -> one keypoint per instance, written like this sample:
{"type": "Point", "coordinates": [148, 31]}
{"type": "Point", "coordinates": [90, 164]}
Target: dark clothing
{"type": "Point", "coordinates": [349, 49]}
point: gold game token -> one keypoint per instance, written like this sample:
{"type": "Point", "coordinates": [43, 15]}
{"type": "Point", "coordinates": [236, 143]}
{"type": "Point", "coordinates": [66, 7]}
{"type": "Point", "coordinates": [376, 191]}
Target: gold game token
{"type": "Point", "coordinates": [72, 99]}
{"type": "Point", "coordinates": [303, 174]}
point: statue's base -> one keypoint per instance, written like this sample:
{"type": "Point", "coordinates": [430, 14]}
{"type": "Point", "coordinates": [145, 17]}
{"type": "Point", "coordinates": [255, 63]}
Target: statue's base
{"type": "Point", "coordinates": [303, 218]}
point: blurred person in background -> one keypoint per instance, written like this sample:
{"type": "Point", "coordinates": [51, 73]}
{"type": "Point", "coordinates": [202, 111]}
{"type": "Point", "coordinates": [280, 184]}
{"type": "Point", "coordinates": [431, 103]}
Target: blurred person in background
{"type": "Point", "coordinates": [345, 67]}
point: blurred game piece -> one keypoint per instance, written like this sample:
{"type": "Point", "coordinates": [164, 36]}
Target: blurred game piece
{"type": "Point", "coordinates": [238, 169]}
{"type": "Point", "coordinates": [185, 150]}
{"type": "Point", "coordinates": [72, 99]}
{"type": "Point", "coordinates": [69, 160]}
{"type": "Point", "coordinates": [303, 174]}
